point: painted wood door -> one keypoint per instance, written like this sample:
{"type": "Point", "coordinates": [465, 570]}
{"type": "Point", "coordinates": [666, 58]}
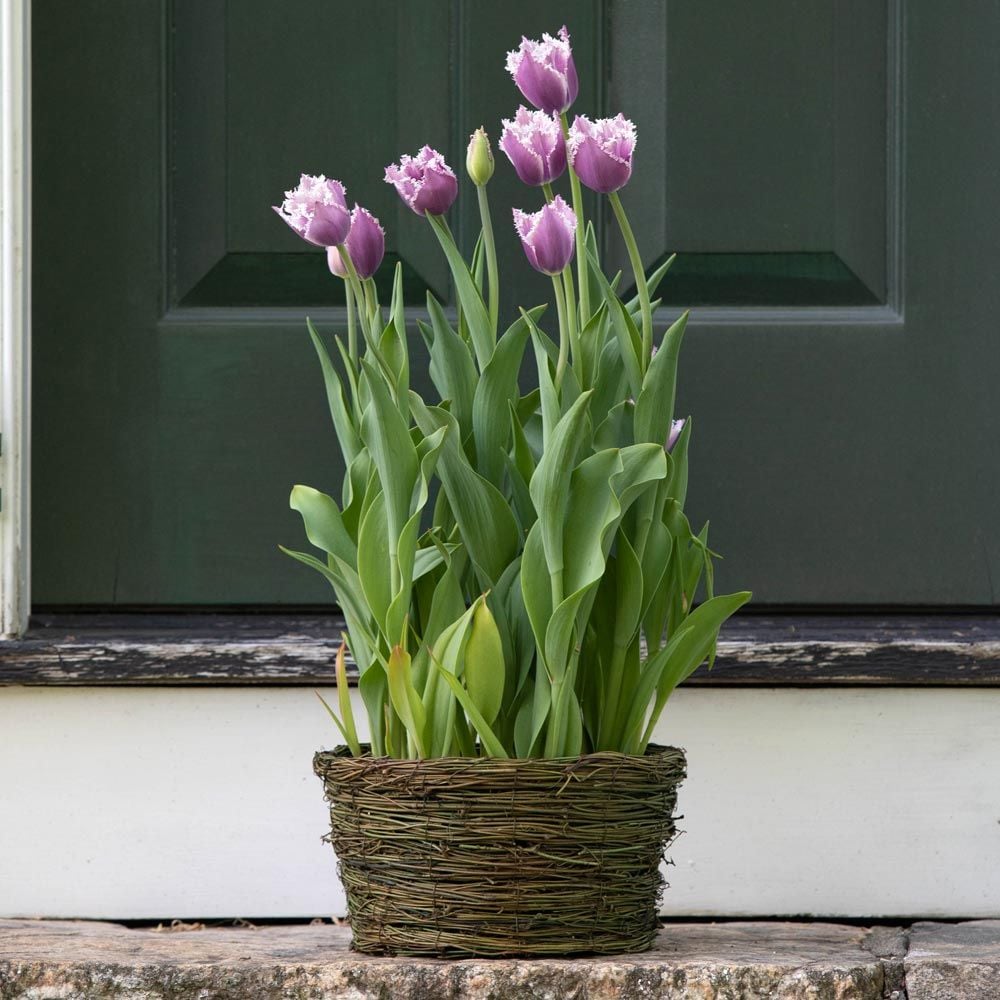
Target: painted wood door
{"type": "Point", "coordinates": [826, 172]}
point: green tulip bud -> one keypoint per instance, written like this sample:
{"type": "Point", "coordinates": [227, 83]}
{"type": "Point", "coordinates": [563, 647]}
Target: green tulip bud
{"type": "Point", "coordinates": [479, 158]}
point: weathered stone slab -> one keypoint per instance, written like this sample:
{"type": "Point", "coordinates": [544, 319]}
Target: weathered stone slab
{"type": "Point", "coordinates": [40, 960]}
{"type": "Point", "coordinates": [952, 961]}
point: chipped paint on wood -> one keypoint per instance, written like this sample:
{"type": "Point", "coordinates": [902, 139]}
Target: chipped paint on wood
{"type": "Point", "coordinates": [299, 649]}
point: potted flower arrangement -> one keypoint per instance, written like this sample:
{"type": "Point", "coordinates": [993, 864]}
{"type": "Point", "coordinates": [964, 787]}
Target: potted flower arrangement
{"type": "Point", "coordinates": [515, 569]}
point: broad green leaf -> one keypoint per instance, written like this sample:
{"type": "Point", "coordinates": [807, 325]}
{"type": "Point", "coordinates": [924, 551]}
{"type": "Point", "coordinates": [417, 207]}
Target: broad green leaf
{"type": "Point", "coordinates": [652, 283]}
{"type": "Point", "coordinates": [550, 485]}
{"type": "Point", "coordinates": [485, 520]}
{"type": "Point", "coordinates": [343, 424]}
{"type": "Point", "coordinates": [405, 699]}
{"type": "Point", "coordinates": [656, 593]}
{"type": "Point", "coordinates": [448, 652]}
{"type": "Point", "coordinates": [323, 523]}
{"type": "Point", "coordinates": [374, 569]}
{"type": "Point", "coordinates": [452, 369]}
{"type": "Point", "coordinates": [629, 340]}
{"type": "Point", "coordinates": [485, 671]}
{"type": "Point", "coordinates": [347, 588]}
{"type": "Point", "coordinates": [677, 661]}
{"type": "Point", "coordinates": [480, 329]}
{"type": "Point", "coordinates": [496, 390]}
{"type": "Point", "coordinates": [536, 588]}
{"type": "Point", "coordinates": [488, 739]}
{"type": "Point", "coordinates": [654, 407]}
{"type": "Point", "coordinates": [388, 439]}
{"type": "Point", "coordinates": [592, 508]}
{"type": "Point", "coordinates": [629, 605]}
{"type": "Point", "coordinates": [550, 408]}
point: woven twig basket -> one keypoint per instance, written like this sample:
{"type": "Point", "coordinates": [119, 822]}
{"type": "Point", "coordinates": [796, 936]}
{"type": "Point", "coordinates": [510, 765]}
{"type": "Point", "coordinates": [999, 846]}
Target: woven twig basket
{"type": "Point", "coordinates": [479, 856]}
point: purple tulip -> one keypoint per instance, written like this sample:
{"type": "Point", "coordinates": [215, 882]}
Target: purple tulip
{"type": "Point", "coordinates": [425, 182]}
{"type": "Point", "coordinates": [547, 235]}
{"type": "Point", "coordinates": [676, 426]}
{"type": "Point", "coordinates": [544, 72]}
{"type": "Point", "coordinates": [534, 143]}
{"type": "Point", "coordinates": [317, 210]}
{"type": "Point", "coordinates": [601, 152]}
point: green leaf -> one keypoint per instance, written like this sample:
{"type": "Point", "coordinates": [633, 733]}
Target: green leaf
{"type": "Point", "coordinates": [323, 523]}
{"type": "Point", "coordinates": [629, 339]}
{"type": "Point", "coordinates": [347, 435]}
{"type": "Point", "coordinates": [550, 408]}
{"type": "Point", "coordinates": [480, 329]}
{"type": "Point", "coordinates": [654, 407]}
{"type": "Point", "coordinates": [485, 671]}
{"type": "Point", "coordinates": [685, 652]}
{"type": "Point", "coordinates": [395, 457]}
{"type": "Point", "coordinates": [452, 369]}
{"type": "Point", "coordinates": [550, 484]}
{"type": "Point", "coordinates": [485, 520]}
{"type": "Point", "coordinates": [488, 739]}
{"type": "Point", "coordinates": [448, 652]}
{"type": "Point", "coordinates": [652, 283]}
{"type": "Point", "coordinates": [373, 562]}
{"type": "Point", "coordinates": [405, 699]}
{"type": "Point", "coordinates": [496, 390]}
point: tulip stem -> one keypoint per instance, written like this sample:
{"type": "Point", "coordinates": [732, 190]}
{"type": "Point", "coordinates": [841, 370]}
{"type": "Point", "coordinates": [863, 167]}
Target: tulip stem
{"type": "Point", "coordinates": [355, 282]}
{"type": "Point", "coordinates": [374, 319]}
{"type": "Point", "coordinates": [491, 257]}
{"type": "Point", "coordinates": [640, 279]}
{"type": "Point", "coordinates": [352, 327]}
{"type": "Point", "coordinates": [574, 336]}
{"type": "Point", "coordinates": [549, 196]}
{"type": "Point", "coordinates": [563, 332]}
{"type": "Point", "coordinates": [581, 250]}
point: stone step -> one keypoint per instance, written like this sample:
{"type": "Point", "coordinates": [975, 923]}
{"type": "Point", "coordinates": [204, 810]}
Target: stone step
{"type": "Point", "coordinates": [45, 960]}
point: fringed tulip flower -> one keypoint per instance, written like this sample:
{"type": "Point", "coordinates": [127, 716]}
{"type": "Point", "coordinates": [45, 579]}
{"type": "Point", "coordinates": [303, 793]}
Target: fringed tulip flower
{"type": "Point", "coordinates": [534, 144]}
{"type": "Point", "coordinates": [676, 426]}
{"type": "Point", "coordinates": [544, 72]}
{"type": "Point", "coordinates": [601, 152]}
{"type": "Point", "coordinates": [317, 210]}
{"type": "Point", "coordinates": [425, 182]}
{"type": "Point", "coordinates": [365, 243]}
{"type": "Point", "coordinates": [547, 235]}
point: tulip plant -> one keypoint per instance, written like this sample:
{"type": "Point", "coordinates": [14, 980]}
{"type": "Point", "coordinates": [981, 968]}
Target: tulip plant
{"type": "Point", "coordinates": [515, 569]}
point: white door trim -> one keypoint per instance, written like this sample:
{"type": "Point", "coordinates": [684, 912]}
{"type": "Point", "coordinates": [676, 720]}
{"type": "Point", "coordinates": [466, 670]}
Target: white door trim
{"type": "Point", "coordinates": [15, 313]}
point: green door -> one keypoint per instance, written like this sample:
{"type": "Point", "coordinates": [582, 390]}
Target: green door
{"type": "Point", "coordinates": [826, 173]}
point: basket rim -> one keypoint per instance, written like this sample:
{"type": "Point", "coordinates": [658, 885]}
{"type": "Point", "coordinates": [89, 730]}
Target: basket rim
{"type": "Point", "coordinates": [342, 754]}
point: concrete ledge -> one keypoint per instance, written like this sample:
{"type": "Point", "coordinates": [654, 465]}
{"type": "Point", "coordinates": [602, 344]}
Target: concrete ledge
{"type": "Point", "coordinates": [80, 959]}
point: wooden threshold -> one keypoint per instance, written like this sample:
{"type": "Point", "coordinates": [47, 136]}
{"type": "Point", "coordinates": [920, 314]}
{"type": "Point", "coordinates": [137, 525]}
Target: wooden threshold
{"type": "Point", "coordinates": [294, 649]}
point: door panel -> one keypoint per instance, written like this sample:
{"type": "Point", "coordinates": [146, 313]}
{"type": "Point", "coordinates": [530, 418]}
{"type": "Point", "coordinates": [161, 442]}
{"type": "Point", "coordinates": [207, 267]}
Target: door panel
{"type": "Point", "coordinates": [823, 171]}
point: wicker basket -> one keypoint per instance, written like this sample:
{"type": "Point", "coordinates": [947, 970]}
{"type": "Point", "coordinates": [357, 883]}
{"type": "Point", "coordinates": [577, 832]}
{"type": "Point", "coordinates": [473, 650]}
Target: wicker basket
{"type": "Point", "coordinates": [479, 856]}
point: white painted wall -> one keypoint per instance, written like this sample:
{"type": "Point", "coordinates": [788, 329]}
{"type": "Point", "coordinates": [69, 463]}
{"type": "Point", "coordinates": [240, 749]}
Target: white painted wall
{"type": "Point", "coordinates": [162, 803]}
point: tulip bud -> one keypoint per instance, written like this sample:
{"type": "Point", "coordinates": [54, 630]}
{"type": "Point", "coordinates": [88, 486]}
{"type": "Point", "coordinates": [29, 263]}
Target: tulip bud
{"type": "Point", "coordinates": [425, 182]}
{"type": "Point", "coordinates": [479, 158]}
{"type": "Point", "coordinates": [676, 426]}
{"type": "Point", "coordinates": [335, 263]}
{"type": "Point", "coordinates": [601, 152]}
{"type": "Point", "coordinates": [547, 235]}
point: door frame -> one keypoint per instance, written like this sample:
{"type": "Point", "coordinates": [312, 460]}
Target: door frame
{"type": "Point", "coordinates": [15, 315]}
